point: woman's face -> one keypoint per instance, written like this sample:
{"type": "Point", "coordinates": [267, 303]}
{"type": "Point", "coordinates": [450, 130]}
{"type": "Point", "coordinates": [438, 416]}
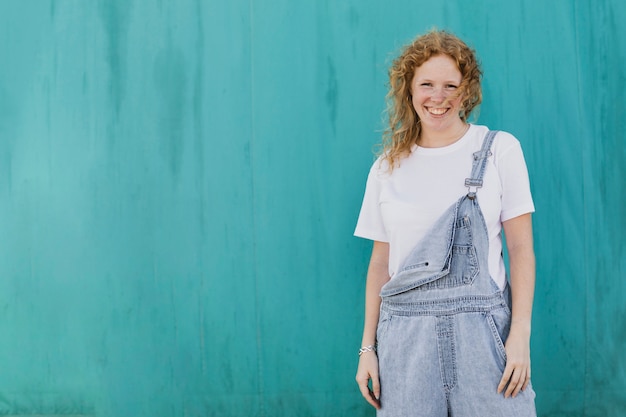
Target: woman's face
{"type": "Point", "coordinates": [434, 84]}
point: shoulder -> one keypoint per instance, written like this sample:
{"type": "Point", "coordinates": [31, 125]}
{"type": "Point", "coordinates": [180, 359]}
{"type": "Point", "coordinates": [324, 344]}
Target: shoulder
{"type": "Point", "coordinates": [503, 143]}
{"type": "Point", "coordinates": [380, 168]}
{"type": "Point", "coordinates": [505, 140]}
{"type": "Point", "coordinates": [506, 147]}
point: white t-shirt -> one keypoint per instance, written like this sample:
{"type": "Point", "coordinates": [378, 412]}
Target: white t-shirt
{"type": "Point", "coordinates": [399, 208]}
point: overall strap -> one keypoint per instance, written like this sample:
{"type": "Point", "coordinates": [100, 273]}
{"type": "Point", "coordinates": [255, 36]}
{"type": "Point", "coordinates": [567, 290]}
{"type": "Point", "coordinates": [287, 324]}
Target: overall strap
{"type": "Point", "coordinates": [479, 164]}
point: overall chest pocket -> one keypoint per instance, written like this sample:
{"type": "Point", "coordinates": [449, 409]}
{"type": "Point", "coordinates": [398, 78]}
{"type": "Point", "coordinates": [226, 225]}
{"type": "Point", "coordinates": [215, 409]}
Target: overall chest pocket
{"type": "Point", "coordinates": [463, 269]}
{"type": "Point", "coordinates": [463, 263]}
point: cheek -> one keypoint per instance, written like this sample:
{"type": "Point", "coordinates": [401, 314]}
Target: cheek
{"type": "Point", "coordinates": [456, 103]}
{"type": "Point", "coordinates": [415, 102]}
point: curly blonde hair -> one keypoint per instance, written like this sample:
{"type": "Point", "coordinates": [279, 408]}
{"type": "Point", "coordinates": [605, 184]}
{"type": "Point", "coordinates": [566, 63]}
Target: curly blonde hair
{"type": "Point", "coordinates": [404, 128]}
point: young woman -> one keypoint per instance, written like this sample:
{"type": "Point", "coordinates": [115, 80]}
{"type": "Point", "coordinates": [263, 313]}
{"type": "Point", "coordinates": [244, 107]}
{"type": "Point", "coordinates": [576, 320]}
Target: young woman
{"type": "Point", "coordinates": [445, 333]}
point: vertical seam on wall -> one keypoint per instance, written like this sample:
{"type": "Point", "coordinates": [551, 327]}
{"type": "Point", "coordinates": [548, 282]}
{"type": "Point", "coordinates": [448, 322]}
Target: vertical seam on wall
{"type": "Point", "coordinates": [585, 225]}
{"type": "Point", "coordinates": [257, 313]}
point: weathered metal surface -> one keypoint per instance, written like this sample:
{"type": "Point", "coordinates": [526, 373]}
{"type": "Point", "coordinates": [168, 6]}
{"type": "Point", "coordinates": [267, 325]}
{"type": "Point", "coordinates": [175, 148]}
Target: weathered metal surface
{"type": "Point", "coordinates": [179, 183]}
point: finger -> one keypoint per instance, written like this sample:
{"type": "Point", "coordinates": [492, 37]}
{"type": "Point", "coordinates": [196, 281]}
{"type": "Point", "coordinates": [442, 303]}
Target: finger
{"type": "Point", "coordinates": [520, 383]}
{"type": "Point", "coordinates": [374, 401]}
{"type": "Point", "coordinates": [370, 399]}
{"type": "Point", "coordinates": [515, 379]}
{"type": "Point", "coordinates": [363, 388]}
{"type": "Point", "coordinates": [527, 380]}
{"type": "Point", "coordinates": [506, 376]}
{"type": "Point", "coordinates": [376, 386]}
{"type": "Point", "coordinates": [366, 393]}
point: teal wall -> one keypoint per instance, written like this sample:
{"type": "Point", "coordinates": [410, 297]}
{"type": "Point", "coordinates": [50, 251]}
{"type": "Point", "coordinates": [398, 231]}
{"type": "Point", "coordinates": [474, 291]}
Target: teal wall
{"type": "Point", "coordinates": [179, 182]}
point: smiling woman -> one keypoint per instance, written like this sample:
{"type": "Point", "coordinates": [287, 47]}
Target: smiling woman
{"type": "Point", "coordinates": [428, 54]}
{"type": "Point", "coordinates": [436, 102]}
{"type": "Point", "coordinates": [444, 331]}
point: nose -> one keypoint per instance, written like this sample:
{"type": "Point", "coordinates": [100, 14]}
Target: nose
{"type": "Point", "coordinates": [438, 95]}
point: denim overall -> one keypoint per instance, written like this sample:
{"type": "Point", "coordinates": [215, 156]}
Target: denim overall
{"type": "Point", "coordinates": [443, 321]}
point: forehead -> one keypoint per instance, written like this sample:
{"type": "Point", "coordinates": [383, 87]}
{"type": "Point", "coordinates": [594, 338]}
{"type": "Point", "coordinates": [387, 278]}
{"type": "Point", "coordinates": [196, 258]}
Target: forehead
{"type": "Point", "coordinates": [439, 67]}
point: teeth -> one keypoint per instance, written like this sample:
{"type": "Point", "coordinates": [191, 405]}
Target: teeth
{"type": "Point", "coordinates": [437, 111]}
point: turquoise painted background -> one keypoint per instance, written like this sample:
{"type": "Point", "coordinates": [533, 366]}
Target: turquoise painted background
{"type": "Point", "coordinates": [179, 183]}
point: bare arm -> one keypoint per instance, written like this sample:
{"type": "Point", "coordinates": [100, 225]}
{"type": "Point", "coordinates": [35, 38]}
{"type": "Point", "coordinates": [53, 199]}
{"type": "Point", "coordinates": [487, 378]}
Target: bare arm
{"type": "Point", "coordinates": [377, 276]}
{"type": "Point", "coordinates": [519, 239]}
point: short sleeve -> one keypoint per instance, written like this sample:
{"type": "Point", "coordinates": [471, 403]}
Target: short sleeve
{"type": "Point", "coordinates": [370, 223]}
{"type": "Point", "coordinates": [516, 195]}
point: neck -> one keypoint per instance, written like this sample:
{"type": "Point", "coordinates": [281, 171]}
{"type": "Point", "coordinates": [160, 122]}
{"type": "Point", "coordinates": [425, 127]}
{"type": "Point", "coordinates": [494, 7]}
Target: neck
{"type": "Point", "coordinates": [439, 139]}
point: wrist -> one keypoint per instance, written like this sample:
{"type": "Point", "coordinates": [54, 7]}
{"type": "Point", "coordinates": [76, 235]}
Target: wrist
{"type": "Point", "coordinates": [520, 326]}
{"type": "Point", "coordinates": [367, 349]}
{"type": "Point", "coordinates": [521, 321]}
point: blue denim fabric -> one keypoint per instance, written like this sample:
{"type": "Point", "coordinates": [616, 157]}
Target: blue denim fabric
{"type": "Point", "coordinates": [443, 322]}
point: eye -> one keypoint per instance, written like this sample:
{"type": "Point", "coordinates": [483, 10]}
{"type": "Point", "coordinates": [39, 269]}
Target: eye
{"type": "Point", "coordinates": [451, 87]}
{"type": "Point", "coordinates": [426, 84]}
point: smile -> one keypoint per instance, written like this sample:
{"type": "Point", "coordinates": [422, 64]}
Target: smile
{"type": "Point", "coordinates": [436, 112]}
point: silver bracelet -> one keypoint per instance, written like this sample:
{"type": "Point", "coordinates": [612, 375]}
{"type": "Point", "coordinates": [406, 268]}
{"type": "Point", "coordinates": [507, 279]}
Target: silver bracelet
{"type": "Point", "coordinates": [370, 348]}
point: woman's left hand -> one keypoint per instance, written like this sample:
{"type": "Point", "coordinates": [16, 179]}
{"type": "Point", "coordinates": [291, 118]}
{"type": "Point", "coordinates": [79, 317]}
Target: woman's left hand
{"type": "Point", "coordinates": [516, 376]}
